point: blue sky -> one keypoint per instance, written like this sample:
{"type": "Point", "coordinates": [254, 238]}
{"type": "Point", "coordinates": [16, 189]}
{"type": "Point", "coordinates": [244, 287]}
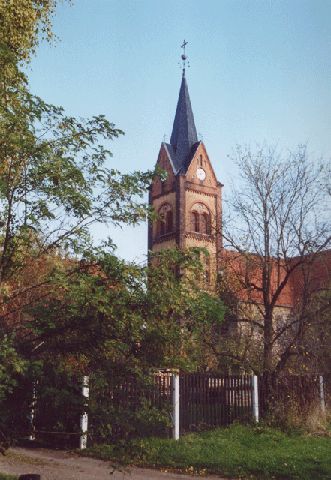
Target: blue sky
{"type": "Point", "coordinates": [260, 72]}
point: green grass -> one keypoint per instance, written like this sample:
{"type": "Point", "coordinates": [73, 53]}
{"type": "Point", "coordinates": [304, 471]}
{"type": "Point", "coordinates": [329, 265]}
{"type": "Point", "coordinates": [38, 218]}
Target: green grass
{"type": "Point", "coordinates": [4, 476]}
{"type": "Point", "coordinates": [239, 451]}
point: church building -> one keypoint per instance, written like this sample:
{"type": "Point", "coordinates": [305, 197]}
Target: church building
{"type": "Point", "coordinates": [188, 204]}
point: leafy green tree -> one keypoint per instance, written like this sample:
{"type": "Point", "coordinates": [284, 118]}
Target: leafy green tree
{"type": "Point", "coordinates": [118, 312]}
{"type": "Point", "coordinates": [55, 175]}
{"type": "Point", "coordinates": [65, 307]}
{"type": "Point", "coordinates": [56, 181]}
{"type": "Point", "coordinates": [116, 321]}
{"type": "Point", "coordinates": [23, 23]}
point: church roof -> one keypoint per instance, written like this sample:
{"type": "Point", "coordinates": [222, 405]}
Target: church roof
{"type": "Point", "coordinates": [184, 139]}
{"type": "Point", "coordinates": [177, 165]}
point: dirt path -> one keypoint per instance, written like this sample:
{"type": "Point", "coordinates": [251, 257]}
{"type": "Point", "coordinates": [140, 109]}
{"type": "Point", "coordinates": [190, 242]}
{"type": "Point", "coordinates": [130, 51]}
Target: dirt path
{"type": "Point", "coordinates": [59, 465]}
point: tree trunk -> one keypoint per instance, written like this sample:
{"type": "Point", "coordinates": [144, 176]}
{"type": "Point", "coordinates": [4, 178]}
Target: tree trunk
{"type": "Point", "coordinates": [267, 347]}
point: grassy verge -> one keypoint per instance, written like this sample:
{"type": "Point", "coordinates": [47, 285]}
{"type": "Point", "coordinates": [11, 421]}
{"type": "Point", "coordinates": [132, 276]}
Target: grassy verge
{"type": "Point", "coordinates": [238, 451]}
{"type": "Point", "coordinates": [4, 476]}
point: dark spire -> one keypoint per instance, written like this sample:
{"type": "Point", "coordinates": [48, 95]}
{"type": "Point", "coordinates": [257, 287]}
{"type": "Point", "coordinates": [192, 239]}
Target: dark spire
{"type": "Point", "coordinates": [184, 133]}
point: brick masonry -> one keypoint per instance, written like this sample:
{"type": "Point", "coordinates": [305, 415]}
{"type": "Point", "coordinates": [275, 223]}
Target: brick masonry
{"type": "Point", "coordinates": [182, 192]}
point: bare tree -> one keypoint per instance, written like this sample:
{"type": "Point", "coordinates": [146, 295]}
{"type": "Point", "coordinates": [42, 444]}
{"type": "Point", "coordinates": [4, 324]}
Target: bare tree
{"type": "Point", "coordinates": [276, 236]}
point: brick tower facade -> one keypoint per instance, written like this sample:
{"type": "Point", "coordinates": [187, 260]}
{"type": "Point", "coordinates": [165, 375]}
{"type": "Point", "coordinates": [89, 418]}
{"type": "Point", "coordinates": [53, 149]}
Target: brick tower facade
{"type": "Point", "coordinates": [189, 201]}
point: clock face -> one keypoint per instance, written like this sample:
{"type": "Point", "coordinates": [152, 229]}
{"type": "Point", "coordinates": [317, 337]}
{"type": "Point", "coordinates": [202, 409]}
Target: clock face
{"type": "Point", "coordinates": [201, 174]}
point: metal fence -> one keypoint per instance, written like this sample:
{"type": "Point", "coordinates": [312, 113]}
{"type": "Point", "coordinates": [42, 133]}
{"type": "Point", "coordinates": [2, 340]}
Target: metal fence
{"type": "Point", "coordinates": [130, 406]}
{"type": "Point", "coordinates": [209, 400]}
{"type": "Point", "coordinates": [165, 402]}
{"type": "Point", "coordinates": [281, 395]}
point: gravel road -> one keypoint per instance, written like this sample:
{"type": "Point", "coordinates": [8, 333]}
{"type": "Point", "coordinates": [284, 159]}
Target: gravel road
{"type": "Point", "coordinates": [59, 465]}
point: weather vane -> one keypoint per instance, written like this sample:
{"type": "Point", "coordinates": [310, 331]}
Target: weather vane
{"type": "Point", "coordinates": [184, 57]}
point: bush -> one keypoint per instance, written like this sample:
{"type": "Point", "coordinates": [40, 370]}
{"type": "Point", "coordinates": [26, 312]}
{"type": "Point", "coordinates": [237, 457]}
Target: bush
{"type": "Point", "coordinates": [122, 408]}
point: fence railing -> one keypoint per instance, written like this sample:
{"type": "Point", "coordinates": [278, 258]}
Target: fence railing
{"type": "Point", "coordinates": [191, 401]}
{"type": "Point", "coordinates": [278, 395]}
{"type": "Point", "coordinates": [212, 400]}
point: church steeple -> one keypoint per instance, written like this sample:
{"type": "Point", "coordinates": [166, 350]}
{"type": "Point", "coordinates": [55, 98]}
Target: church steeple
{"type": "Point", "coordinates": [184, 133]}
{"type": "Point", "coordinates": [188, 201]}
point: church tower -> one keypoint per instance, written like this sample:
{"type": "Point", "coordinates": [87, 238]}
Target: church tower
{"type": "Point", "coordinates": [188, 202]}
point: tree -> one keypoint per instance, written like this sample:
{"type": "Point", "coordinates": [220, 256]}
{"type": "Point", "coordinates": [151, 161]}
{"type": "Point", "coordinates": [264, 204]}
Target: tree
{"type": "Point", "coordinates": [277, 232]}
{"type": "Point", "coordinates": [23, 23]}
{"type": "Point", "coordinates": [55, 183]}
{"type": "Point", "coordinates": [123, 313]}
{"type": "Point", "coordinates": [112, 320]}
{"type": "Point", "coordinates": [175, 297]}
{"type": "Point", "coordinates": [55, 178]}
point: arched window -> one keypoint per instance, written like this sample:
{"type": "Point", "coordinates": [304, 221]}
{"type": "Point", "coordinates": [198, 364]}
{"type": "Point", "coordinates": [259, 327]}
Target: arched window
{"type": "Point", "coordinates": [195, 227]}
{"type": "Point", "coordinates": [200, 219]}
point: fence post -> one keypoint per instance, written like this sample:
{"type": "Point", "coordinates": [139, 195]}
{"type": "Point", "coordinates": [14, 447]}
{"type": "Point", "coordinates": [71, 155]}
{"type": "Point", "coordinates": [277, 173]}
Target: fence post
{"type": "Point", "coordinates": [175, 405]}
{"type": "Point", "coordinates": [255, 402]}
{"type": "Point", "coordinates": [84, 415]}
{"type": "Point", "coordinates": [322, 396]}
{"type": "Point", "coordinates": [32, 418]}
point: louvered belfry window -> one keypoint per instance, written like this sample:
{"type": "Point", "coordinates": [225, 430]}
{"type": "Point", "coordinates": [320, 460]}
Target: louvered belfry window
{"type": "Point", "coordinates": [200, 219]}
{"type": "Point", "coordinates": [195, 227]}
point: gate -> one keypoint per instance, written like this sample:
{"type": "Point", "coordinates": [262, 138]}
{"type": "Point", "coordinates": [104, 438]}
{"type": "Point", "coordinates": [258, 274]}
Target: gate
{"type": "Point", "coordinates": [208, 400]}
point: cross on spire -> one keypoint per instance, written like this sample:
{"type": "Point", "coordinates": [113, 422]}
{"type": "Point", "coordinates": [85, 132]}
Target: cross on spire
{"type": "Point", "coordinates": [184, 133]}
{"type": "Point", "coordinates": [184, 56]}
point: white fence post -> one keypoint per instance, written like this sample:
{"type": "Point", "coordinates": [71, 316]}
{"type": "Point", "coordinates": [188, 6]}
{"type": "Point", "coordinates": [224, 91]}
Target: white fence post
{"type": "Point", "coordinates": [175, 405]}
{"type": "Point", "coordinates": [322, 396]}
{"type": "Point", "coordinates": [84, 415]}
{"type": "Point", "coordinates": [255, 399]}
{"type": "Point", "coordinates": [32, 435]}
